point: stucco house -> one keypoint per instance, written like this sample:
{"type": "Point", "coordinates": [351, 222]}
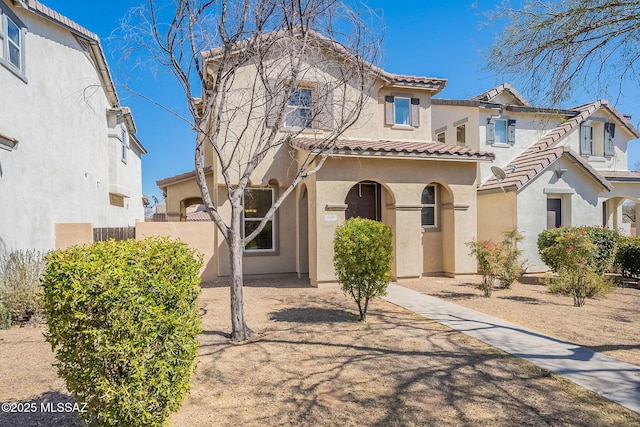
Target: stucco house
{"type": "Point", "coordinates": [68, 150]}
{"type": "Point", "coordinates": [555, 167]}
{"type": "Point", "coordinates": [386, 167]}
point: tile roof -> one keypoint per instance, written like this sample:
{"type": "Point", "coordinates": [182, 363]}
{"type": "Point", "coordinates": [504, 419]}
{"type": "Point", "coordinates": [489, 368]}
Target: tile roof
{"type": "Point", "coordinates": [427, 82]}
{"type": "Point", "coordinates": [492, 93]}
{"type": "Point", "coordinates": [181, 177]}
{"type": "Point", "coordinates": [426, 150]}
{"type": "Point", "coordinates": [531, 162]}
{"type": "Point", "coordinates": [198, 216]}
{"type": "Point", "coordinates": [545, 151]}
{"type": "Point", "coordinates": [51, 14]}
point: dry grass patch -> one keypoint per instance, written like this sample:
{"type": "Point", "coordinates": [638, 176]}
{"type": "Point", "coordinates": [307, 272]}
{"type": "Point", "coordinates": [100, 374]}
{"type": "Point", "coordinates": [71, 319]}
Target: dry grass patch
{"type": "Point", "coordinates": [313, 364]}
{"type": "Point", "coordinates": [609, 325]}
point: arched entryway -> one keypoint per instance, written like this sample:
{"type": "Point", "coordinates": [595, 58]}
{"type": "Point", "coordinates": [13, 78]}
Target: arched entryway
{"type": "Point", "coordinates": [364, 200]}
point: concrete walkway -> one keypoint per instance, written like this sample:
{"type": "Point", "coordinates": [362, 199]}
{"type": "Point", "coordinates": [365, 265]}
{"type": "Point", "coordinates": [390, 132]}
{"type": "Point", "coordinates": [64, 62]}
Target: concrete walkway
{"type": "Point", "coordinates": [616, 380]}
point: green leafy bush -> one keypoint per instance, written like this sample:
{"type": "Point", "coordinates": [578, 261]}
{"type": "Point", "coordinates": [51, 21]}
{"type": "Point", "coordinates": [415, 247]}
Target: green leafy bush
{"type": "Point", "coordinates": [5, 317]}
{"type": "Point", "coordinates": [574, 254]}
{"type": "Point", "coordinates": [498, 261]}
{"type": "Point", "coordinates": [20, 288]}
{"type": "Point", "coordinates": [628, 256]}
{"type": "Point", "coordinates": [602, 259]}
{"type": "Point", "coordinates": [123, 320]}
{"type": "Point", "coordinates": [362, 260]}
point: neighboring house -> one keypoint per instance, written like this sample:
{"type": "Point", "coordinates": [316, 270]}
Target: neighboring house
{"type": "Point", "coordinates": [561, 167]}
{"type": "Point", "coordinates": [68, 150]}
{"type": "Point", "coordinates": [386, 167]}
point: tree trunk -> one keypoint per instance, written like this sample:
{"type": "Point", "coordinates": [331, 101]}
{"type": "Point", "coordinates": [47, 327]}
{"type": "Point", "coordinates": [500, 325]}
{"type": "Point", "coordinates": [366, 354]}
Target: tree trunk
{"type": "Point", "coordinates": [239, 329]}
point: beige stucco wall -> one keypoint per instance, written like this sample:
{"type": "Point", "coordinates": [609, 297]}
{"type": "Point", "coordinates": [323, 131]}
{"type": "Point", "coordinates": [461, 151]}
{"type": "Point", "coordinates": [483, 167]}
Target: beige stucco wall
{"type": "Point", "coordinates": [402, 182]}
{"type": "Point", "coordinates": [496, 214]}
{"type": "Point", "coordinates": [59, 172]}
{"type": "Point", "coordinates": [198, 235]}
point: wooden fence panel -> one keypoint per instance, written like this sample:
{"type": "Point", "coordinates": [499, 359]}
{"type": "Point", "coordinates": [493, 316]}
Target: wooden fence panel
{"type": "Point", "coordinates": [116, 233]}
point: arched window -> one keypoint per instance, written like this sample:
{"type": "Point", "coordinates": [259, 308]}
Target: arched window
{"type": "Point", "coordinates": [429, 202]}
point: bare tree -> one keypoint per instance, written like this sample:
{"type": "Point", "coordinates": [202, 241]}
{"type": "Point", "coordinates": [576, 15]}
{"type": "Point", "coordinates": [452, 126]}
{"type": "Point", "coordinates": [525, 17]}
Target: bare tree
{"type": "Point", "coordinates": [557, 45]}
{"type": "Point", "coordinates": [240, 63]}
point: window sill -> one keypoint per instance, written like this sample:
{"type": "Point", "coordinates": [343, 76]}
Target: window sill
{"type": "Point", "coordinates": [501, 145]}
{"type": "Point", "coordinates": [307, 131]}
{"type": "Point", "coordinates": [430, 228]}
{"type": "Point", "coordinates": [260, 252]}
{"type": "Point", "coordinates": [596, 158]}
{"type": "Point", "coordinates": [402, 127]}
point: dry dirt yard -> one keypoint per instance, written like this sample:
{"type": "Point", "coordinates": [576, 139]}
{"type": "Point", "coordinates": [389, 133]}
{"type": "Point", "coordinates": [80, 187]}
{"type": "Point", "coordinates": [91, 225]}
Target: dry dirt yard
{"type": "Point", "coordinates": [609, 325]}
{"type": "Point", "coordinates": [312, 363]}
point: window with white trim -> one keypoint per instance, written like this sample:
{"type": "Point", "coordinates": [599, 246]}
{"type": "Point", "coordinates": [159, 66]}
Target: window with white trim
{"type": "Point", "coordinates": [501, 131]}
{"type": "Point", "coordinates": [256, 202]}
{"type": "Point", "coordinates": [12, 32]}
{"type": "Point", "coordinates": [402, 111]}
{"type": "Point", "coordinates": [441, 137]}
{"type": "Point", "coordinates": [300, 109]}
{"type": "Point", "coordinates": [429, 210]}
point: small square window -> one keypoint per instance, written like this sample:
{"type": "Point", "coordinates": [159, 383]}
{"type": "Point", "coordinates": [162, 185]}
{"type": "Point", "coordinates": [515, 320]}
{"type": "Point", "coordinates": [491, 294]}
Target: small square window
{"type": "Point", "coordinates": [441, 137]}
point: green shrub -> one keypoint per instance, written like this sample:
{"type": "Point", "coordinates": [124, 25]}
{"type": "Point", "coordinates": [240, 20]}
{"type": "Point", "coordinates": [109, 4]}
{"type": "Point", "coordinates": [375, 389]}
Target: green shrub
{"type": "Point", "coordinates": [601, 260]}
{"type": "Point", "coordinates": [362, 260]}
{"type": "Point", "coordinates": [498, 261]}
{"type": "Point", "coordinates": [628, 256]}
{"type": "Point", "coordinates": [20, 288]}
{"type": "Point", "coordinates": [5, 317]}
{"type": "Point", "coordinates": [574, 254]}
{"type": "Point", "coordinates": [123, 320]}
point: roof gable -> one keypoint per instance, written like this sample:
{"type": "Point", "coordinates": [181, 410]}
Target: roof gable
{"type": "Point", "coordinates": [500, 94]}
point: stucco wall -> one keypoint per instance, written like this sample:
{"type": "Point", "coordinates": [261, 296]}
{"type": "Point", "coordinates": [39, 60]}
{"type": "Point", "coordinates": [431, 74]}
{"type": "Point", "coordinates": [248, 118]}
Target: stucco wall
{"type": "Point", "coordinates": [496, 214]}
{"type": "Point", "coordinates": [580, 205]}
{"type": "Point", "coordinates": [59, 171]}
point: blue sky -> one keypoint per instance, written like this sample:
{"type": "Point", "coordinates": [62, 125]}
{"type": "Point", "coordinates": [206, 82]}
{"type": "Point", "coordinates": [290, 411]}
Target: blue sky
{"type": "Point", "coordinates": [433, 38]}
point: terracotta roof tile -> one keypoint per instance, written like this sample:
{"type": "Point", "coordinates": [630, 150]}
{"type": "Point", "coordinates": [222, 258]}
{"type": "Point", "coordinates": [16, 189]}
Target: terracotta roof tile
{"type": "Point", "coordinates": [181, 177]}
{"type": "Point", "coordinates": [530, 163]}
{"type": "Point", "coordinates": [492, 93]}
{"type": "Point", "coordinates": [395, 148]}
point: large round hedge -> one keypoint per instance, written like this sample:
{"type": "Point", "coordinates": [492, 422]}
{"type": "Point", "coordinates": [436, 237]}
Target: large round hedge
{"type": "Point", "coordinates": [123, 319]}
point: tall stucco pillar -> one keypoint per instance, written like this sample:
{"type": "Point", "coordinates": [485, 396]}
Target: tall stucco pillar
{"type": "Point", "coordinates": [464, 225]}
{"type": "Point", "coordinates": [407, 241]}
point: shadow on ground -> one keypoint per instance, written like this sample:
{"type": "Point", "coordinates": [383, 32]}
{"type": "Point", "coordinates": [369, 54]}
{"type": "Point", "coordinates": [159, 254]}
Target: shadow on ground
{"type": "Point", "coordinates": [312, 315]}
{"type": "Point", "coordinates": [50, 409]}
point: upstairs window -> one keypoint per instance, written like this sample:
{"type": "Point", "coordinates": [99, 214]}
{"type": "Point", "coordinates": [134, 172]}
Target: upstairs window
{"type": "Point", "coordinates": [11, 42]}
{"type": "Point", "coordinates": [501, 131]}
{"type": "Point", "coordinates": [609, 134]}
{"type": "Point", "coordinates": [586, 139]}
{"type": "Point", "coordinates": [461, 135]}
{"type": "Point", "coordinates": [402, 111]}
{"type": "Point", "coordinates": [300, 109]}
{"type": "Point", "coordinates": [441, 137]}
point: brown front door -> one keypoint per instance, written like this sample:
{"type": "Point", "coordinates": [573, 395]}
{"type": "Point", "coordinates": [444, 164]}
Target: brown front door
{"type": "Point", "coordinates": [363, 200]}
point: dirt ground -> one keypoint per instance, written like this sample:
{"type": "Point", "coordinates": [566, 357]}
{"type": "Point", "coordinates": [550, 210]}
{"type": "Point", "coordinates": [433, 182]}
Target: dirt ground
{"type": "Point", "coordinates": [609, 325]}
{"type": "Point", "coordinates": [312, 363]}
